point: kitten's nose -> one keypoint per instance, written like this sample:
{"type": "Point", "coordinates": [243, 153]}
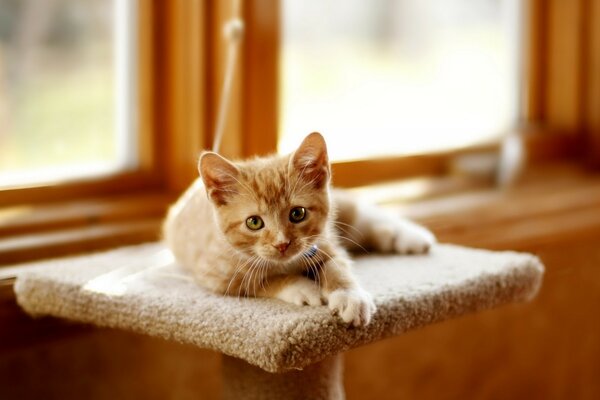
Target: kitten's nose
{"type": "Point", "coordinates": [282, 247]}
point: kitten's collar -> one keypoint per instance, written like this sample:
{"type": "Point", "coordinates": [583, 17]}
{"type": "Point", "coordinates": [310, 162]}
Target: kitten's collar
{"type": "Point", "coordinates": [312, 251]}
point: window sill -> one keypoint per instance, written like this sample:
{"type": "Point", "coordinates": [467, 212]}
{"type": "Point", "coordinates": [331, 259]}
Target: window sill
{"type": "Point", "coordinates": [29, 232]}
{"type": "Point", "coordinates": [551, 202]}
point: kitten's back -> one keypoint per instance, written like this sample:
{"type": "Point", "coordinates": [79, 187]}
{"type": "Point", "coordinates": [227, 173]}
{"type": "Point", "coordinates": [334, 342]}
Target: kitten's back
{"type": "Point", "coordinates": [189, 228]}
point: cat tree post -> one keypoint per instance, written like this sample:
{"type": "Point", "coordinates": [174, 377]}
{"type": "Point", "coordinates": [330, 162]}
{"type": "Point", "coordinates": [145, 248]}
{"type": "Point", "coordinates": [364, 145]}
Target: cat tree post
{"type": "Point", "coordinates": [322, 380]}
{"type": "Point", "coordinates": [273, 349]}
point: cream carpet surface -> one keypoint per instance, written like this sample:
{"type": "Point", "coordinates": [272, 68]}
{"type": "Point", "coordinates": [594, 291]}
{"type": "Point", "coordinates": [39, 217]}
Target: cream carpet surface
{"type": "Point", "coordinates": [141, 289]}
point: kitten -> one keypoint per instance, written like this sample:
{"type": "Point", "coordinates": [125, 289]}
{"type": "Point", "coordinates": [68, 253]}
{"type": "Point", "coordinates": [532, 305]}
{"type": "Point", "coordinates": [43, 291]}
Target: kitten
{"type": "Point", "coordinates": [272, 227]}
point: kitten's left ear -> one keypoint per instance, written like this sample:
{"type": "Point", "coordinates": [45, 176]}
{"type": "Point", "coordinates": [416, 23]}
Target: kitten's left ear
{"type": "Point", "coordinates": [311, 160]}
{"type": "Point", "coordinates": [219, 176]}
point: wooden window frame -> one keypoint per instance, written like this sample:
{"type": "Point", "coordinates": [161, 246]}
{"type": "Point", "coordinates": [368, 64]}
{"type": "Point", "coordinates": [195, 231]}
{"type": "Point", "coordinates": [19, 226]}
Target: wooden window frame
{"type": "Point", "coordinates": [561, 120]}
{"type": "Point", "coordinates": [48, 220]}
{"type": "Point", "coordinates": [182, 53]}
{"type": "Point", "coordinates": [178, 89]}
{"type": "Point", "coordinates": [144, 176]}
{"type": "Point", "coordinates": [181, 62]}
{"type": "Point", "coordinates": [173, 118]}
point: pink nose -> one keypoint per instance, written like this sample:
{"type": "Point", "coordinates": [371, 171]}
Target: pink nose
{"type": "Point", "coordinates": [282, 247]}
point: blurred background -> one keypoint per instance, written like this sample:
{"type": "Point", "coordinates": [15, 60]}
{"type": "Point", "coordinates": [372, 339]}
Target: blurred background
{"type": "Point", "coordinates": [479, 119]}
{"type": "Point", "coordinates": [59, 90]}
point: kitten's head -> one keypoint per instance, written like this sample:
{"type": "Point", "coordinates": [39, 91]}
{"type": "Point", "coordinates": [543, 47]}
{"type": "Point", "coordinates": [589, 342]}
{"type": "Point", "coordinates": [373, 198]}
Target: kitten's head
{"type": "Point", "coordinates": [273, 208]}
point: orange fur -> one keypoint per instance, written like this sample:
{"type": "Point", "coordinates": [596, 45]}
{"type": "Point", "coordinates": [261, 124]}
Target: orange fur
{"type": "Point", "coordinates": [207, 232]}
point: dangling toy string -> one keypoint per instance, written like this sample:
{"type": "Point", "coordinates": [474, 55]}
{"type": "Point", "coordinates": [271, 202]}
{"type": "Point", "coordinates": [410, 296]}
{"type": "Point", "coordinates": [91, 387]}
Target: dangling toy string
{"type": "Point", "coordinates": [234, 31]}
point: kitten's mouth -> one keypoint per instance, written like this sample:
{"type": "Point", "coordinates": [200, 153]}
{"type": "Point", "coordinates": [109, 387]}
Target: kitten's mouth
{"type": "Point", "coordinates": [287, 255]}
{"type": "Point", "coordinates": [294, 254]}
{"type": "Point", "coordinates": [284, 256]}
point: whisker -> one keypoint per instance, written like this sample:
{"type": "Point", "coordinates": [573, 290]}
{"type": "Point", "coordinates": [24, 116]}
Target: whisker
{"type": "Point", "coordinates": [262, 267]}
{"type": "Point", "coordinates": [237, 271]}
{"type": "Point", "coordinates": [257, 276]}
{"type": "Point", "coordinates": [314, 269]}
{"type": "Point", "coordinates": [349, 226]}
{"type": "Point", "coordinates": [253, 271]}
{"type": "Point", "coordinates": [351, 241]}
{"type": "Point", "coordinates": [317, 264]}
{"type": "Point", "coordinates": [245, 274]}
{"type": "Point", "coordinates": [243, 284]}
{"type": "Point", "coordinates": [252, 281]}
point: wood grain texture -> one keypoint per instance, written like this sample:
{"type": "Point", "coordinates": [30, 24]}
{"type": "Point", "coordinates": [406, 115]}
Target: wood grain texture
{"type": "Point", "coordinates": [261, 75]}
{"type": "Point", "coordinates": [592, 109]}
{"type": "Point", "coordinates": [33, 231]}
{"type": "Point", "coordinates": [534, 54]}
{"type": "Point", "coordinates": [26, 331]}
{"type": "Point", "coordinates": [564, 65]}
{"type": "Point", "coordinates": [103, 364]}
{"type": "Point", "coordinates": [33, 246]}
{"type": "Point", "coordinates": [28, 218]}
{"type": "Point", "coordinates": [541, 146]}
{"type": "Point", "coordinates": [130, 182]}
{"type": "Point", "coordinates": [180, 89]}
{"type": "Point", "coordinates": [539, 210]}
{"type": "Point", "coordinates": [219, 13]}
{"type": "Point", "coordinates": [147, 137]}
{"type": "Point", "coordinates": [548, 349]}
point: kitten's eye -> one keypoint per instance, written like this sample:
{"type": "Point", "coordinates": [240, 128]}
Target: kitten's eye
{"type": "Point", "coordinates": [255, 223]}
{"type": "Point", "coordinates": [297, 214]}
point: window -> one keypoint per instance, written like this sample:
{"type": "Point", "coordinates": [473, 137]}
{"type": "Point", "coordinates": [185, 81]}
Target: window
{"type": "Point", "coordinates": [142, 118]}
{"type": "Point", "coordinates": [383, 78]}
{"type": "Point", "coordinates": [163, 64]}
{"type": "Point", "coordinates": [67, 79]}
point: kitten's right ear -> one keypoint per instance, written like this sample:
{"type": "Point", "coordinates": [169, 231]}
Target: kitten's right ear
{"type": "Point", "coordinates": [219, 177]}
{"type": "Point", "coordinates": [311, 162]}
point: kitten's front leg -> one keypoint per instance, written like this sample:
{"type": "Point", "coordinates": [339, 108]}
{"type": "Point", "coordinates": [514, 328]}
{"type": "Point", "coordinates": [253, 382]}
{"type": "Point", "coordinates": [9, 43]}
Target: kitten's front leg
{"type": "Point", "coordinates": [389, 234]}
{"type": "Point", "coordinates": [345, 297]}
{"type": "Point", "coordinates": [295, 289]}
{"type": "Point", "coordinates": [376, 228]}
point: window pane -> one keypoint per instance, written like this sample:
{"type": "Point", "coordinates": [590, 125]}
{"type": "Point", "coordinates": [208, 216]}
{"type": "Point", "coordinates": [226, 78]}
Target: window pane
{"type": "Point", "coordinates": [65, 109]}
{"type": "Point", "coordinates": [390, 77]}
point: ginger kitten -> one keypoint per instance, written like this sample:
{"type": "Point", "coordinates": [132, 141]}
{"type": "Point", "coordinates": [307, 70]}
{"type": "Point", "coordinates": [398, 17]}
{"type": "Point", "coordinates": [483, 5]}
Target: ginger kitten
{"type": "Point", "coordinates": [268, 227]}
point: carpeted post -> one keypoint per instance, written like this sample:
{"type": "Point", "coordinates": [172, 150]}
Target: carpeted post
{"type": "Point", "coordinates": [320, 381]}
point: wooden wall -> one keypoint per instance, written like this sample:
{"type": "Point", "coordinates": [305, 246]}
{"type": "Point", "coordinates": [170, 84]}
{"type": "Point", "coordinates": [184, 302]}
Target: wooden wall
{"type": "Point", "coordinates": [547, 349]}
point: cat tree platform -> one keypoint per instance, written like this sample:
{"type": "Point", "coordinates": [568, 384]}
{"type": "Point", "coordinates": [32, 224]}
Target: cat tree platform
{"type": "Point", "coordinates": [273, 350]}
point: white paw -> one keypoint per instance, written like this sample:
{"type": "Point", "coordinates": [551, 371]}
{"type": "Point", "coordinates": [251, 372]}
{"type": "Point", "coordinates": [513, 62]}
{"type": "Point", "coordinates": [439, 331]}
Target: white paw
{"type": "Point", "coordinates": [413, 239]}
{"type": "Point", "coordinates": [384, 235]}
{"type": "Point", "coordinates": [402, 237]}
{"type": "Point", "coordinates": [302, 292]}
{"type": "Point", "coordinates": [354, 306]}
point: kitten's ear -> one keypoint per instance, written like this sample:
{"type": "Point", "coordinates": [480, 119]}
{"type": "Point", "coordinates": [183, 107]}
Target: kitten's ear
{"type": "Point", "coordinates": [219, 176]}
{"type": "Point", "coordinates": [311, 160]}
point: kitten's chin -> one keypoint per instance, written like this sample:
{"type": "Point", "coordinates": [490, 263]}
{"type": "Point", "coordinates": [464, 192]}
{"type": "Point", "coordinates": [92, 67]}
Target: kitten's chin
{"type": "Point", "coordinates": [282, 258]}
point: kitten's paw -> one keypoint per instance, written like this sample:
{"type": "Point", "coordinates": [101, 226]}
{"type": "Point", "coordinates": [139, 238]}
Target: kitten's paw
{"type": "Point", "coordinates": [354, 306]}
{"type": "Point", "coordinates": [302, 292]}
{"type": "Point", "coordinates": [403, 237]}
{"type": "Point", "coordinates": [413, 239]}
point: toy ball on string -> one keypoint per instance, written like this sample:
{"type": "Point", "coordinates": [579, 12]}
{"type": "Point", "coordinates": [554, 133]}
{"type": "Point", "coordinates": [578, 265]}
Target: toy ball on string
{"type": "Point", "coordinates": [234, 29]}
